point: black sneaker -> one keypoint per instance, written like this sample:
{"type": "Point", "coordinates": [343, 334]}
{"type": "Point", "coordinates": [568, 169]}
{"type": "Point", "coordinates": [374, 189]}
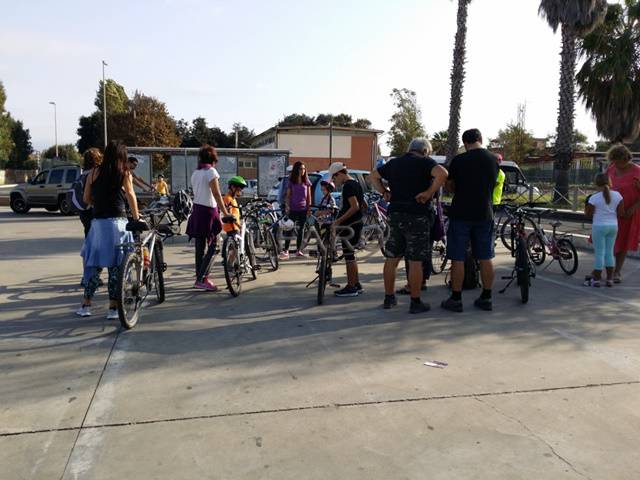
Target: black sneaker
{"type": "Point", "coordinates": [419, 307]}
{"type": "Point", "coordinates": [452, 305]}
{"type": "Point", "coordinates": [390, 302]}
{"type": "Point", "coordinates": [484, 304]}
{"type": "Point", "coordinates": [360, 289]}
{"type": "Point", "coordinates": [348, 291]}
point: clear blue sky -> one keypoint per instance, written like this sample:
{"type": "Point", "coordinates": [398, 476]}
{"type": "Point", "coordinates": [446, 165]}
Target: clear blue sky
{"type": "Point", "coordinates": [255, 61]}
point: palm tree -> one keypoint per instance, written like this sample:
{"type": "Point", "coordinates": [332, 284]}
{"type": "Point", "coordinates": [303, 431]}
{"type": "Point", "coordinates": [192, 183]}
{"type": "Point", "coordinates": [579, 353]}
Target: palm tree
{"type": "Point", "coordinates": [609, 80]}
{"type": "Point", "coordinates": [439, 142]}
{"type": "Point", "coordinates": [457, 79]}
{"type": "Point", "coordinates": [577, 18]}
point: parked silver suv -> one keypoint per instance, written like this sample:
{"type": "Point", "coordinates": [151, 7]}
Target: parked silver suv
{"type": "Point", "coordinates": [47, 190]}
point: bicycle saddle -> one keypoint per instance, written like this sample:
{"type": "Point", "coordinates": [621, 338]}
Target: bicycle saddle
{"type": "Point", "coordinates": [556, 224]}
{"type": "Point", "coordinates": [229, 219]}
{"type": "Point", "coordinates": [137, 226]}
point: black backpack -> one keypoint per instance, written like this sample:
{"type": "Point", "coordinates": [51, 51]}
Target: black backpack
{"type": "Point", "coordinates": [76, 192]}
{"type": "Point", "coordinates": [471, 272]}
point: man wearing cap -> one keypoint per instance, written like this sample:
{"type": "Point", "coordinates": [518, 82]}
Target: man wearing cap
{"type": "Point", "coordinates": [350, 215]}
{"type": "Point", "coordinates": [413, 178]}
{"type": "Point", "coordinates": [133, 164]}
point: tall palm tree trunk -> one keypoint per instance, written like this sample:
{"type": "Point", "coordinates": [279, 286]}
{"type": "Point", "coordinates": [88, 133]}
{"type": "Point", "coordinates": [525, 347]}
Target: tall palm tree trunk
{"type": "Point", "coordinates": [564, 133]}
{"type": "Point", "coordinates": [457, 80]}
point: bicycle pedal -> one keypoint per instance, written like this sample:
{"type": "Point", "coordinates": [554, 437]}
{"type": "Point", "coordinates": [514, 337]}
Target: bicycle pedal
{"type": "Point", "coordinates": [163, 267]}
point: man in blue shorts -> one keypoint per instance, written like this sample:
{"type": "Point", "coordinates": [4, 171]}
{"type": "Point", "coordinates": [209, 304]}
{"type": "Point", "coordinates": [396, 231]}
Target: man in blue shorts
{"type": "Point", "coordinates": [472, 178]}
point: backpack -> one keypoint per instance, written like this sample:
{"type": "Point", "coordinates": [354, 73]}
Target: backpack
{"type": "Point", "coordinates": [471, 272]}
{"type": "Point", "coordinates": [77, 194]}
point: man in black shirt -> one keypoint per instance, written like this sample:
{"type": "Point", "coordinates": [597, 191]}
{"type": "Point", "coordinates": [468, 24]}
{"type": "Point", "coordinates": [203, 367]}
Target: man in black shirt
{"type": "Point", "coordinates": [472, 178]}
{"type": "Point", "coordinates": [350, 215]}
{"type": "Point", "coordinates": [413, 179]}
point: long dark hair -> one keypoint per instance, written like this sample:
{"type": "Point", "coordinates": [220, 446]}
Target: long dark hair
{"type": "Point", "coordinates": [295, 176]}
{"type": "Point", "coordinates": [602, 180]}
{"type": "Point", "coordinates": [207, 156]}
{"type": "Point", "coordinates": [114, 164]}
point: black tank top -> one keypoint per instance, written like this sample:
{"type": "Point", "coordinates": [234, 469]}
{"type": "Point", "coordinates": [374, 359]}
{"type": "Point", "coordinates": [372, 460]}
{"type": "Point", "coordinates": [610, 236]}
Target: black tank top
{"type": "Point", "coordinates": [108, 200]}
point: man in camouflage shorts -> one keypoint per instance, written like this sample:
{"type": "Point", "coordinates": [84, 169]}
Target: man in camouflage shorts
{"type": "Point", "coordinates": [413, 179]}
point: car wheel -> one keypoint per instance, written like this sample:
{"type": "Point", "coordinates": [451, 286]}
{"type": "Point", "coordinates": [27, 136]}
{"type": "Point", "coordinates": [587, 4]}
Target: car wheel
{"type": "Point", "coordinates": [64, 206]}
{"type": "Point", "coordinates": [19, 205]}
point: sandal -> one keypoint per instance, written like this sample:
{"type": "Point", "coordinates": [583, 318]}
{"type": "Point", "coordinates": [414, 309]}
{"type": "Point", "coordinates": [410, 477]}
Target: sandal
{"type": "Point", "coordinates": [617, 278]}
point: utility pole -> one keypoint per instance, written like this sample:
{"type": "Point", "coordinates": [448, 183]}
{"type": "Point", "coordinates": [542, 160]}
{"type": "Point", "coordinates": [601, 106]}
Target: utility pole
{"type": "Point", "coordinates": [55, 124]}
{"type": "Point", "coordinates": [331, 140]}
{"type": "Point", "coordinates": [104, 103]}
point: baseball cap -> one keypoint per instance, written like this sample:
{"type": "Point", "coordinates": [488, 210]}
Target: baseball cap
{"type": "Point", "coordinates": [335, 167]}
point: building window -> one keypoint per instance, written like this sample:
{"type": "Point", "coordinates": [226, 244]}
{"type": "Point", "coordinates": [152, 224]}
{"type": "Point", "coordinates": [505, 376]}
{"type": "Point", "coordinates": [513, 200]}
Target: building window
{"type": "Point", "coordinates": [246, 164]}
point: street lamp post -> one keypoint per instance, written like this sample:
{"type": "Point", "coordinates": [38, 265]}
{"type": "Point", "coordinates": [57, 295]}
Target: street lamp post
{"type": "Point", "coordinates": [55, 124]}
{"type": "Point", "coordinates": [104, 102]}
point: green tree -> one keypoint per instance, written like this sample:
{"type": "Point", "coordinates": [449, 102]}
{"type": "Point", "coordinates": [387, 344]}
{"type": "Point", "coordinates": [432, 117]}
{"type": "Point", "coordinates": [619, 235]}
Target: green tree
{"type": "Point", "coordinates": [609, 80]}
{"type": "Point", "coordinates": [579, 142]}
{"type": "Point", "coordinates": [439, 142]}
{"type": "Point", "coordinates": [296, 120]}
{"type": "Point", "coordinates": [516, 142]}
{"type": "Point", "coordinates": [457, 79]}
{"type": "Point", "coordinates": [6, 143]}
{"type": "Point", "coordinates": [577, 18]}
{"type": "Point", "coordinates": [22, 149]}
{"type": "Point", "coordinates": [66, 152]}
{"type": "Point", "coordinates": [362, 123]}
{"type": "Point", "coordinates": [90, 132]}
{"type": "Point", "coordinates": [244, 135]}
{"type": "Point", "coordinates": [117, 99]}
{"type": "Point", "coordinates": [406, 122]}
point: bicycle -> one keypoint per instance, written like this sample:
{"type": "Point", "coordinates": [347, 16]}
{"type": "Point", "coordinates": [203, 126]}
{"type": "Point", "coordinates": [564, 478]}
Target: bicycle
{"type": "Point", "coordinates": [523, 270]}
{"type": "Point", "coordinates": [376, 223]}
{"type": "Point", "coordinates": [142, 268]}
{"type": "Point", "coordinates": [261, 220]}
{"type": "Point", "coordinates": [238, 256]}
{"type": "Point", "coordinates": [559, 247]}
{"type": "Point", "coordinates": [505, 220]}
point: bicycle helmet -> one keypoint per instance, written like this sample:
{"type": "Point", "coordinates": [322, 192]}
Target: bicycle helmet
{"type": "Point", "coordinates": [182, 205]}
{"type": "Point", "coordinates": [329, 185]}
{"type": "Point", "coordinates": [286, 224]}
{"type": "Point", "coordinates": [238, 181]}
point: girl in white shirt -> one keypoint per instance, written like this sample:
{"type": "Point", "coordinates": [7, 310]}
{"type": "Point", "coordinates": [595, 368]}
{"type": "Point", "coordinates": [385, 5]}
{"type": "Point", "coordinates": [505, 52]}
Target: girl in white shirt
{"type": "Point", "coordinates": [604, 208]}
{"type": "Point", "coordinates": [204, 223]}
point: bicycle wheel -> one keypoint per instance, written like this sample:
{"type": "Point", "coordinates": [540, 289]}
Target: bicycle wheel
{"type": "Point", "coordinates": [505, 230]}
{"type": "Point", "coordinates": [322, 277]}
{"type": "Point", "coordinates": [522, 269]}
{"type": "Point", "coordinates": [272, 250]}
{"type": "Point", "coordinates": [129, 286]}
{"type": "Point", "coordinates": [232, 269]}
{"type": "Point", "coordinates": [251, 256]}
{"type": "Point", "coordinates": [568, 256]}
{"type": "Point", "coordinates": [382, 242]}
{"type": "Point", "coordinates": [438, 257]}
{"type": "Point", "coordinates": [158, 272]}
{"type": "Point", "coordinates": [536, 248]}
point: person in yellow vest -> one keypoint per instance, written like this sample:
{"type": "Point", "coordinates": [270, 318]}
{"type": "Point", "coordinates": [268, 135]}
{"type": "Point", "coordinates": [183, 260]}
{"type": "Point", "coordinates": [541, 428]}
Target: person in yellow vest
{"type": "Point", "coordinates": [161, 186]}
{"type": "Point", "coordinates": [497, 191]}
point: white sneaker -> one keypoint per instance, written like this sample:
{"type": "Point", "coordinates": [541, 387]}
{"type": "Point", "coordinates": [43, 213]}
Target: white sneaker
{"type": "Point", "coordinates": [112, 314]}
{"type": "Point", "coordinates": [84, 311]}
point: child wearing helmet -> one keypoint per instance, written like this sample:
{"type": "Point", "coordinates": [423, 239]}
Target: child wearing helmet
{"type": "Point", "coordinates": [236, 185]}
{"type": "Point", "coordinates": [328, 205]}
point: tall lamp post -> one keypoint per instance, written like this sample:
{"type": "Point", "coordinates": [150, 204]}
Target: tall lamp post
{"type": "Point", "coordinates": [55, 124]}
{"type": "Point", "coordinates": [104, 102]}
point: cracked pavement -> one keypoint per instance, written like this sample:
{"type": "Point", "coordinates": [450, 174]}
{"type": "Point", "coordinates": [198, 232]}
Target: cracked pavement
{"type": "Point", "coordinates": [269, 385]}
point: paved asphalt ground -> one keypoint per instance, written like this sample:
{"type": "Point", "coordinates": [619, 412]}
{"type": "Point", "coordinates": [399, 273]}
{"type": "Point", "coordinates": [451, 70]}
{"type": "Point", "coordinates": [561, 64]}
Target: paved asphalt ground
{"type": "Point", "coordinates": [271, 386]}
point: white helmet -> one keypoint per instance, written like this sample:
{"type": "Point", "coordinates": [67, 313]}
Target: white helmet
{"type": "Point", "coordinates": [286, 224]}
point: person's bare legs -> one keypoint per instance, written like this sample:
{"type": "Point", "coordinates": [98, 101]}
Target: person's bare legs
{"type": "Point", "coordinates": [620, 258]}
{"type": "Point", "coordinates": [457, 275]}
{"type": "Point", "coordinates": [352, 273]}
{"type": "Point", "coordinates": [415, 278]}
{"type": "Point", "coordinates": [487, 273]}
{"type": "Point", "coordinates": [389, 274]}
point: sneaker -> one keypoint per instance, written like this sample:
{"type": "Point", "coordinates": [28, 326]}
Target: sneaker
{"type": "Point", "coordinates": [419, 307]}
{"type": "Point", "coordinates": [484, 304]}
{"type": "Point", "coordinates": [204, 286]}
{"type": "Point", "coordinates": [617, 278]}
{"type": "Point", "coordinates": [609, 283]}
{"type": "Point", "coordinates": [112, 314]}
{"type": "Point", "coordinates": [211, 286]}
{"type": "Point", "coordinates": [390, 302]}
{"type": "Point", "coordinates": [592, 283]}
{"type": "Point", "coordinates": [348, 291]}
{"type": "Point", "coordinates": [84, 311]}
{"type": "Point", "coordinates": [360, 289]}
{"type": "Point", "coordinates": [452, 305]}
{"type": "Point", "coordinates": [284, 256]}
{"type": "Point", "coordinates": [300, 254]}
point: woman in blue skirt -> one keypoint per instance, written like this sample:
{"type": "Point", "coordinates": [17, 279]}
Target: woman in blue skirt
{"type": "Point", "coordinates": [106, 189]}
